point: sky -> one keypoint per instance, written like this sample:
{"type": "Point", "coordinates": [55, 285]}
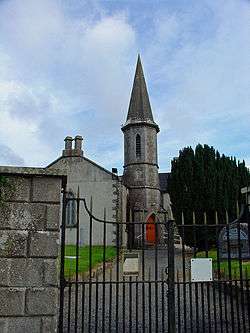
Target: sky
{"type": "Point", "coordinates": [67, 68]}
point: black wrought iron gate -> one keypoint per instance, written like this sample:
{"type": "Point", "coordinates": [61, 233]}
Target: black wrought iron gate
{"type": "Point", "coordinates": [142, 286]}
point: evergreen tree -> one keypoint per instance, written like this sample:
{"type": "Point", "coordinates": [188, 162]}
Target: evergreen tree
{"type": "Point", "coordinates": [206, 181]}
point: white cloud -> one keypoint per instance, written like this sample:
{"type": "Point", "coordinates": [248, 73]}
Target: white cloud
{"type": "Point", "coordinates": [206, 77]}
{"type": "Point", "coordinates": [19, 123]}
{"type": "Point", "coordinates": [65, 74]}
{"type": "Point", "coordinates": [8, 156]}
{"type": "Point", "coordinates": [67, 68]}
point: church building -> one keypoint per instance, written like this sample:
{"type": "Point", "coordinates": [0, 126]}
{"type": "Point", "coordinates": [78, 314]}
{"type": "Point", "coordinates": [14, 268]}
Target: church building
{"type": "Point", "coordinates": [139, 195]}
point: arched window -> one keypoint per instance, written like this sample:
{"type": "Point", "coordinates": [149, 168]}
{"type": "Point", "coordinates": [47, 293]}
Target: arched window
{"type": "Point", "coordinates": [71, 210]}
{"type": "Point", "coordinates": [138, 145]}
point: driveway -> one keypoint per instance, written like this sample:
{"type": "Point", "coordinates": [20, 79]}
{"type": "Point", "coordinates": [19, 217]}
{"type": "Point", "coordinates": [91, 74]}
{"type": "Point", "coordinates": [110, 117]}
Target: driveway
{"type": "Point", "coordinates": [129, 304]}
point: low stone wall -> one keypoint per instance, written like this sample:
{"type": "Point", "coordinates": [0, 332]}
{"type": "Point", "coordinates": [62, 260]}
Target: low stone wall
{"type": "Point", "coordinates": [29, 248]}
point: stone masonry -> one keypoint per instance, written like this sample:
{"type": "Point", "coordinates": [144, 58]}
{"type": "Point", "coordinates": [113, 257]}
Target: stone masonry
{"type": "Point", "coordinates": [140, 149]}
{"type": "Point", "coordinates": [29, 250]}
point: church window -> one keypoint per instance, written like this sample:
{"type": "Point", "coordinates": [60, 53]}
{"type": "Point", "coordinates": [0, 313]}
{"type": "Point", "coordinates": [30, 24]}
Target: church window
{"type": "Point", "coordinates": [138, 145]}
{"type": "Point", "coordinates": [71, 210]}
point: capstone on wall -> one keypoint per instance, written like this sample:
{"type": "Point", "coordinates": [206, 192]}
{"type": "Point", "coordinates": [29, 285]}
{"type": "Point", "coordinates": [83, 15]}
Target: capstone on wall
{"type": "Point", "coordinates": [29, 249]}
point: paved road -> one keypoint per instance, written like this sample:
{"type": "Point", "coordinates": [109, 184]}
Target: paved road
{"type": "Point", "coordinates": [130, 305]}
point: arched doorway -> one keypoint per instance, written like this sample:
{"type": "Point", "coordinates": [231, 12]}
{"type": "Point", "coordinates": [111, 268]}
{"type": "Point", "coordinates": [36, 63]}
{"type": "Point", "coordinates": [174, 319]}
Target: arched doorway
{"type": "Point", "coordinates": [150, 229]}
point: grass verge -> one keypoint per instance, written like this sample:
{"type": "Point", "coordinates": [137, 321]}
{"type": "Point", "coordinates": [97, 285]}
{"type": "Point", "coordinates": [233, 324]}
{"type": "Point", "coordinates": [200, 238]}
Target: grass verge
{"type": "Point", "coordinates": [224, 265]}
{"type": "Point", "coordinates": [97, 258]}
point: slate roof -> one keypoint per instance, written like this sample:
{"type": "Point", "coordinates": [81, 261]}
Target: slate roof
{"type": "Point", "coordinates": [163, 180]}
{"type": "Point", "coordinates": [139, 106]}
{"type": "Point", "coordinates": [84, 159]}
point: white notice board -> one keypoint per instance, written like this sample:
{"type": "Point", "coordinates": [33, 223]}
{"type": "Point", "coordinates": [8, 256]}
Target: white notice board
{"type": "Point", "coordinates": [201, 269]}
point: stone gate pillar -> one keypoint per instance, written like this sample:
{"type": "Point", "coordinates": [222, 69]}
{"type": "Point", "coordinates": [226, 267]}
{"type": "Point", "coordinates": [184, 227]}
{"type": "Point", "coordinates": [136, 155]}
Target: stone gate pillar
{"type": "Point", "coordinates": [29, 249]}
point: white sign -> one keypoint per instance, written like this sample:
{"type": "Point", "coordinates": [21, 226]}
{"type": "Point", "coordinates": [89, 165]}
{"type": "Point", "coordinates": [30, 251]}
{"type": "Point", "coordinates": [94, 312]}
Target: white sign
{"type": "Point", "coordinates": [131, 266]}
{"type": "Point", "coordinates": [245, 190]}
{"type": "Point", "coordinates": [201, 270]}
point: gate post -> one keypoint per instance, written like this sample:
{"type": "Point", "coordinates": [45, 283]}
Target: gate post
{"type": "Point", "coordinates": [171, 278]}
{"type": "Point", "coordinates": [62, 253]}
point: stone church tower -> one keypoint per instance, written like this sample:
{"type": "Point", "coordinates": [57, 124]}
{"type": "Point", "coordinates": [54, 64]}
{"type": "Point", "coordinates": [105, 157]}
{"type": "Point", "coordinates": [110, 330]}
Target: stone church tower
{"type": "Point", "coordinates": [140, 149]}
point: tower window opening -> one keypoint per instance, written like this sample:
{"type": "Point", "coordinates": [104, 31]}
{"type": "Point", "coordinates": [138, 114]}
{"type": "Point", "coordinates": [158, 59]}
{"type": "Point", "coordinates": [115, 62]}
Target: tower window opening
{"type": "Point", "coordinates": [138, 145]}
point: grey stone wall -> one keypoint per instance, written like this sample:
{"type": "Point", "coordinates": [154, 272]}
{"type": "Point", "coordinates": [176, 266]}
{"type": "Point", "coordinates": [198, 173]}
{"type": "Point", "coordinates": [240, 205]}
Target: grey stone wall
{"type": "Point", "coordinates": [29, 249]}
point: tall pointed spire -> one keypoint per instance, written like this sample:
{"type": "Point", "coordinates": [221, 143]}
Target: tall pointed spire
{"type": "Point", "coordinates": [139, 106]}
{"type": "Point", "coordinates": [140, 150]}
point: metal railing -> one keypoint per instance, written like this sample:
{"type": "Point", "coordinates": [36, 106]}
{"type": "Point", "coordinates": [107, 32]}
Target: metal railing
{"type": "Point", "coordinates": [162, 297]}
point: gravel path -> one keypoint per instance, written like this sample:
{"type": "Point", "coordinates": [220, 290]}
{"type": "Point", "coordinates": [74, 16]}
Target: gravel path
{"type": "Point", "coordinates": [133, 306]}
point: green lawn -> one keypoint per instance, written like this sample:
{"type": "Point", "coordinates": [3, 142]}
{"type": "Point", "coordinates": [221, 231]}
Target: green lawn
{"type": "Point", "coordinates": [97, 257]}
{"type": "Point", "coordinates": [224, 264]}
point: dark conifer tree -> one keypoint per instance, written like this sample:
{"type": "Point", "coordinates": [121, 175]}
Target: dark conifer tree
{"type": "Point", "coordinates": [205, 181]}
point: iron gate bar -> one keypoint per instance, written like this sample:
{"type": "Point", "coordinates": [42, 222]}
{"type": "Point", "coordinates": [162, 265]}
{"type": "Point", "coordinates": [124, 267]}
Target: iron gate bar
{"type": "Point", "coordinates": [69, 307]}
{"type": "Point", "coordinates": [237, 304]}
{"type": "Point", "coordinates": [103, 269]}
{"type": "Point", "coordinates": [190, 305]}
{"type": "Point", "coordinates": [62, 278]}
{"type": "Point", "coordinates": [178, 302]}
{"type": "Point", "coordinates": [77, 255]}
{"type": "Point", "coordinates": [219, 276]}
{"type": "Point", "coordinates": [96, 304]}
{"type": "Point", "coordinates": [147, 281]}
{"type": "Point", "coordinates": [230, 276]}
{"type": "Point", "coordinates": [233, 307]}
{"type": "Point", "coordinates": [143, 273]}
{"type": "Point", "coordinates": [162, 282]}
{"type": "Point", "coordinates": [117, 274]}
{"type": "Point", "coordinates": [214, 308]}
{"type": "Point", "coordinates": [83, 306]}
{"type": "Point", "coordinates": [162, 303]}
{"type": "Point", "coordinates": [171, 278]}
{"type": "Point", "coordinates": [247, 287]}
{"type": "Point", "coordinates": [90, 261]}
{"type": "Point", "coordinates": [136, 305]}
{"type": "Point", "coordinates": [156, 275]}
{"type": "Point", "coordinates": [208, 284]}
{"type": "Point", "coordinates": [149, 300]}
{"type": "Point", "coordinates": [241, 278]}
{"type": "Point", "coordinates": [123, 305]}
{"type": "Point", "coordinates": [202, 305]}
{"type": "Point", "coordinates": [110, 299]}
{"type": "Point", "coordinates": [184, 275]}
{"type": "Point", "coordinates": [130, 304]}
{"type": "Point", "coordinates": [196, 285]}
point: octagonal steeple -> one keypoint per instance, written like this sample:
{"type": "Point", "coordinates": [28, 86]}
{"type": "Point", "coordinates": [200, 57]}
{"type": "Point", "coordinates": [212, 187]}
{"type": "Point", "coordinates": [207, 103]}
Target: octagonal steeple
{"type": "Point", "coordinates": [139, 107]}
{"type": "Point", "coordinates": [140, 148]}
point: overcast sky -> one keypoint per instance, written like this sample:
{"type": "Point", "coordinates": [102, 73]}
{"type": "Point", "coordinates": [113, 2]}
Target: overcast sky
{"type": "Point", "coordinates": [67, 67]}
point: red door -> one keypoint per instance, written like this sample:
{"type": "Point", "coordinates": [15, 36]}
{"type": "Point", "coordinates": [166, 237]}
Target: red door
{"type": "Point", "coordinates": [150, 229]}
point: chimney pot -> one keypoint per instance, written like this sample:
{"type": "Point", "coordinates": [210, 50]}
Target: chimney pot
{"type": "Point", "coordinates": [77, 151]}
{"type": "Point", "coordinates": [68, 146]}
{"type": "Point", "coordinates": [78, 142]}
{"type": "Point", "coordinates": [68, 142]}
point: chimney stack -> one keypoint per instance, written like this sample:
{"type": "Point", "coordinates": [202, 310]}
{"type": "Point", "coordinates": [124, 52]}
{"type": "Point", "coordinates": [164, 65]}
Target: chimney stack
{"type": "Point", "coordinates": [69, 151]}
{"type": "Point", "coordinates": [68, 146]}
{"type": "Point", "coordinates": [78, 146]}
